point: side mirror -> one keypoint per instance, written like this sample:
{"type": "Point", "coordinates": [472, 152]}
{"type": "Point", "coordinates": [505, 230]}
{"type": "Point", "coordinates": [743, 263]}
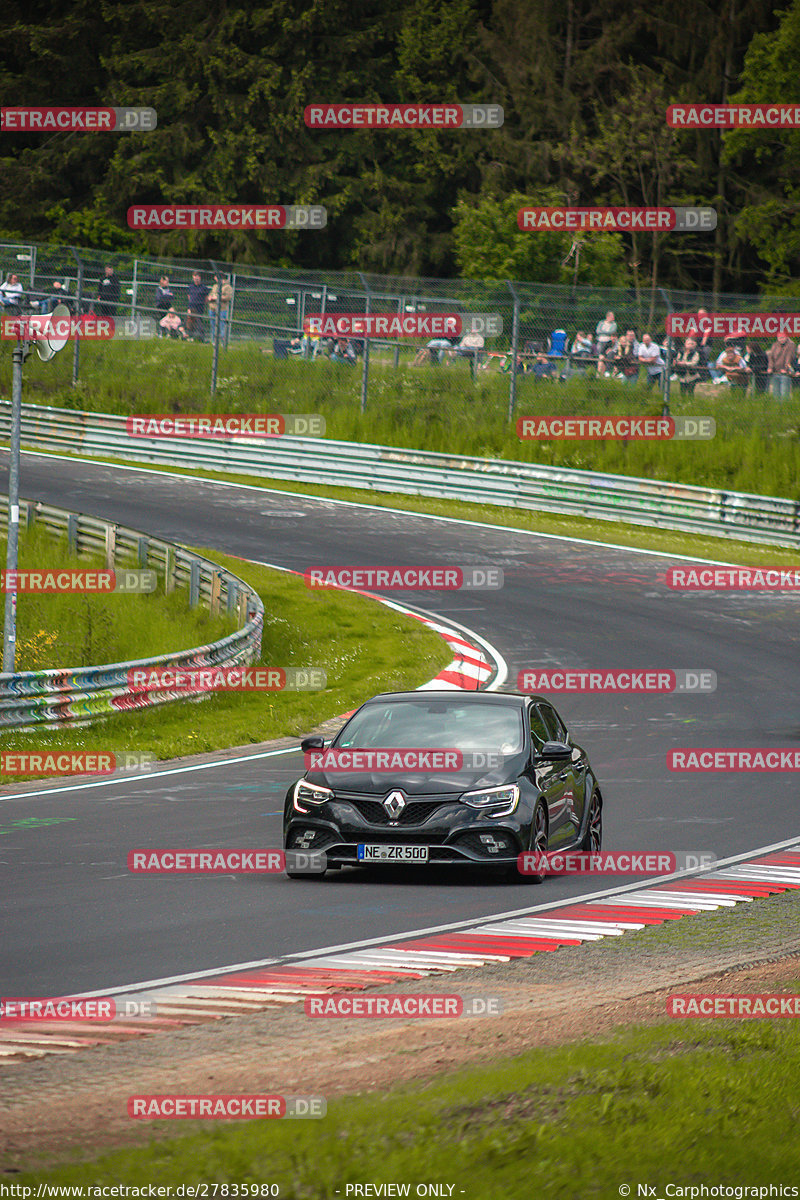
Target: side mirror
{"type": "Point", "coordinates": [312, 743]}
{"type": "Point", "coordinates": [556, 751]}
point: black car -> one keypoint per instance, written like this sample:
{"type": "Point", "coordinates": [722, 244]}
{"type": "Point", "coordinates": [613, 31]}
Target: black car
{"type": "Point", "coordinates": [445, 777]}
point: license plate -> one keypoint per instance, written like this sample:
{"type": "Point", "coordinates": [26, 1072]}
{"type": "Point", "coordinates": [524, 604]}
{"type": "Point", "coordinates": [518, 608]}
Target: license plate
{"type": "Point", "coordinates": [392, 853]}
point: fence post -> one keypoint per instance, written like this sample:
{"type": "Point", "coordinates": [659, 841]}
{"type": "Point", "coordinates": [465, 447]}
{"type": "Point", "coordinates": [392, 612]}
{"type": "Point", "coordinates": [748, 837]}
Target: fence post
{"type": "Point", "coordinates": [365, 366]}
{"type": "Point", "coordinates": [215, 355]}
{"type": "Point", "coordinates": [665, 390]}
{"type": "Point", "coordinates": [76, 353]}
{"type": "Point", "coordinates": [512, 383]}
{"type": "Point", "coordinates": [229, 325]}
{"type": "Point", "coordinates": [135, 287]}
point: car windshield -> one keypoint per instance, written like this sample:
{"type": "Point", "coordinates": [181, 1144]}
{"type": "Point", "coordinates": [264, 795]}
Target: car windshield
{"type": "Point", "coordinates": [435, 724]}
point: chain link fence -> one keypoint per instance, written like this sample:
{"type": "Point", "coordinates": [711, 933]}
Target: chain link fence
{"type": "Point", "coordinates": [253, 341]}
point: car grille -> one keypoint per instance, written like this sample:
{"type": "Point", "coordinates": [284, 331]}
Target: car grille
{"type": "Point", "coordinates": [414, 813]}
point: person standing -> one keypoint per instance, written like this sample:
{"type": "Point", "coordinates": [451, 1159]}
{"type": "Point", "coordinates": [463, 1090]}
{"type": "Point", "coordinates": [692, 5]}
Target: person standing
{"type": "Point", "coordinates": [779, 366]}
{"type": "Point", "coordinates": [195, 306]}
{"type": "Point", "coordinates": [687, 367]}
{"type": "Point", "coordinates": [650, 356]}
{"type": "Point", "coordinates": [606, 332]}
{"type": "Point", "coordinates": [107, 298]}
{"type": "Point", "coordinates": [219, 300]}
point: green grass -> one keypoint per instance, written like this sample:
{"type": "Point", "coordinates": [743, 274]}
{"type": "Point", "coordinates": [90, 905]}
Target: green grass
{"type": "Point", "coordinates": [84, 629]}
{"type": "Point", "coordinates": [364, 648]}
{"type": "Point", "coordinates": [757, 447]}
{"type": "Point", "coordinates": [712, 1102]}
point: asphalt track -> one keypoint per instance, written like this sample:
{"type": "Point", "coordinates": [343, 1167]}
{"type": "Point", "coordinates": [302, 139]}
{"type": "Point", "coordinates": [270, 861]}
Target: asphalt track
{"type": "Point", "coordinates": [72, 919]}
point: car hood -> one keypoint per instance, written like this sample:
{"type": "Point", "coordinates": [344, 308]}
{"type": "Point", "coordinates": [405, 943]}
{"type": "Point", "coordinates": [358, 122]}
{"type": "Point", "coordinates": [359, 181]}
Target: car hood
{"type": "Point", "coordinates": [419, 783]}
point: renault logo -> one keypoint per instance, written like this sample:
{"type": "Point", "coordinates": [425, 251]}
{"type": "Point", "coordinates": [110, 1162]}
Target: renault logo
{"type": "Point", "coordinates": [394, 804]}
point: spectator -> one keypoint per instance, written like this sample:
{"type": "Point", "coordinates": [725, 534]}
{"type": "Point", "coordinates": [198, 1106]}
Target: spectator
{"type": "Point", "coordinates": [756, 359]}
{"type": "Point", "coordinates": [344, 352]}
{"type": "Point", "coordinates": [705, 349]}
{"type": "Point", "coordinates": [171, 324]}
{"type": "Point", "coordinates": [164, 297]}
{"type": "Point", "coordinates": [542, 367]}
{"type": "Point", "coordinates": [687, 367]}
{"type": "Point", "coordinates": [731, 364]}
{"type": "Point", "coordinates": [59, 295]}
{"type": "Point", "coordinates": [779, 366]}
{"type": "Point", "coordinates": [605, 361]}
{"type": "Point", "coordinates": [650, 356]}
{"type": "Point", "coordinates": [606, 332]}
{"type": "Point", "coordinates": [195, 306]}
{"type": "Point", "coordinates": [582, 344]}
{"type": "Point", "coordinates": [557, 344]}
{"type": "Point", "coordinates": [11, 292]}
{"type": "Point", "coordinates": [107, 297]}
{"type": "Point", "coordinates": [223, 302]}
{"type": "Point", "coordinates": [432, 352]}
{"type": "Point", "coordinates": [626, 363]}
{"type": "Point", "coordinates": [470, 346]}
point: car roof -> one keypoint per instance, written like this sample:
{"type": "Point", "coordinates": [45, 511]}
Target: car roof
{"type": "Point", "coordinates": [510, 698]}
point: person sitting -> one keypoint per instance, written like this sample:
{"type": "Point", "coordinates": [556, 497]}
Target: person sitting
{"type": "Point", "coordinates": [471, 346]}
{"type": "Point", "coordinates": [164, 297]}
{"type": "Point", "coordinates": [733, 367]}
{"type": "Point", "coordinates": [626, 362]}
{"type": "Point", "coordinates": [432, 352]}
{"type": "Point", "coordinates": [581, 344]}
{"type": "Point", "coordinates": [780, 357]}
{"type": "Point", "coordinates": [542, 367]}
{"type": "Point", "coordinates": [557, 344]}
{"type": "Point", "coordinates": [688, 367]}
{"type": "Point", "coordinates": [344, 352]}
{"type": "Point", "coordinates": [11, 293]}
{"type": "Point", "coordinates": [605, 359]}
{"type": "Point", "coordinates": [59, 295]}
{"type": "Point", "coordinates": [172, 325]}
{"type": "Point", "coordinates": [756, 359]}
{"type": "Point", "coordinates": [650, 356]}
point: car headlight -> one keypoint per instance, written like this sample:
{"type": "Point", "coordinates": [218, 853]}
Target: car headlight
{"type": "Point", "coordinates": [309, 793]}
{"type": "Point", "coordinates": [500, 801]}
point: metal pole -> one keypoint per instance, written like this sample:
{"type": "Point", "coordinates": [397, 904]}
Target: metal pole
{"type": "Point", "coordinates": [512, 391]}
{"type": "Point", "coordinates": [365, 367]}
{"type": "Point", "coordinates": [76, 353]}
{"type": "Point", "coordinates": [668, 364]}
{"type": "Point", "coordinates": [10, 624]}
{"type": "Point", "coordinates": [215, 357]}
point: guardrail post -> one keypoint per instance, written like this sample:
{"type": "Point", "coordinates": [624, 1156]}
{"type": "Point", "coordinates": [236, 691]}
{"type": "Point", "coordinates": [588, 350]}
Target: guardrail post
{"type": "Point", "coordinates": [142, 550]}
{"type": "Point", "coordinates": [216, 583]}
{"type": "Point", "coordinates": [231, 594]}
{"type": "Point", "coordinates": [169, 570]}
{"type": "Point", "coordinates": [72, 532]}
{"type": "Point", "coordinates": [194, 584]}
{"type": "Point", "coordinates": [111, 546]}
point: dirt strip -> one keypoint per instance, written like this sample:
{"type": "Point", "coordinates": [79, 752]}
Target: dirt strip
{"type": "Point", "coordinates": [573, 993]}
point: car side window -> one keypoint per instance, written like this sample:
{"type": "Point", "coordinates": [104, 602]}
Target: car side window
{"type": "Point", "coordinates": [556, 727]}
{"type": "Point", "coordinates": [539, 731]}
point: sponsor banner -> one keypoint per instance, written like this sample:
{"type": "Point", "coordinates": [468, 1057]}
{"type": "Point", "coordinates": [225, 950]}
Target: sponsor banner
{"type": "Point", "coordinates": [244, 1107]}
{"type": "Point", "coordinates": [743, 1005]}
{"type": "Point", "coordinates": [52, 582]}
{"type": "Point", "coordinates": [56, 762]}
{"type": "Point", "coordinates": [227, 679]}
{"type": "Point", "coordinates": [397, 325]}
{"type": "Point", "coordinates": [406, 579]}
{"type": "Point", "coordinates": [733, 579]}
{"type": "Point", "coordinates": [403, 116]}
{"type": "Point", "coordinates": [726, 758]}
{"type": "Point", "coordinates": [402, 1005]}
{"type": "Point", "coordinates": [636, 429]}
{"type": "Point", "coordinates": [615, 219]}
{"type": "Point", "coordinates": [561, 680]}
{"type": "Point", "coordinates": [620, 862]}
{"type": "Point", "coordinates": [227, 216]}
{"type": "Point", "coordinates": [733, 116]}
{"type": "Point", "coordinates": [225, 425]}
{"type": "Point", "coordinates": [88, 327]}
{"type": "Point", "coordinates": [393, 759]}
{"type": "Point", "coordinates": [731, 324]}
{"type": "Point", "coordinates": [85, 120]}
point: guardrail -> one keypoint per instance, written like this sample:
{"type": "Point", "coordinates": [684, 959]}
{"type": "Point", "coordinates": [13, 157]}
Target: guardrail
{"type": "Point", "coordinates": [77, 695]}
{"type": "Point", "coordinates": [719, 513]}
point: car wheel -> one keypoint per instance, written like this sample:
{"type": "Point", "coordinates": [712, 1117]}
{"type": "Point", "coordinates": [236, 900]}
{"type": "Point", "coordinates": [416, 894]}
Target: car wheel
{"type": "Point", "coordinates": [538, 846]}
{"type": "Point", "coordinates": [593, 838]}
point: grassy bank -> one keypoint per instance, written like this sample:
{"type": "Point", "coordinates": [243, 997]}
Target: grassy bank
{"type": "Point", "coordinates": [362, 646]}
{"type": "Point", "coordinates": [757, 447]}
{"type": "Point", "coordinates": [648, 1106]}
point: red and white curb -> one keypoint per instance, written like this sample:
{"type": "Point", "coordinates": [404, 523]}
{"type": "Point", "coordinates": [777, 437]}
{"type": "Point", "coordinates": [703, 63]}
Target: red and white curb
{"type": "Point", "coordinates": [412, 956]}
